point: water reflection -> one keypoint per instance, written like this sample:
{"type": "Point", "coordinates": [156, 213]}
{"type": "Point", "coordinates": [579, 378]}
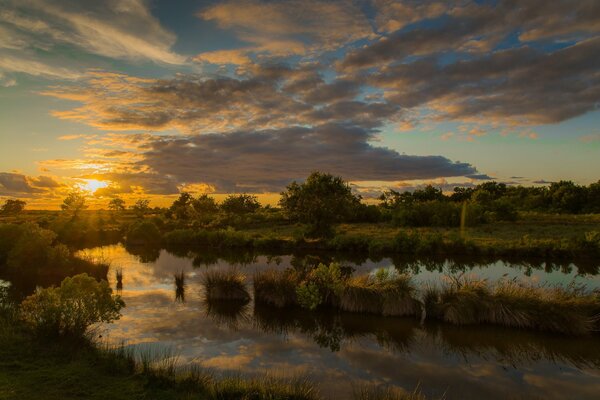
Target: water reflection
{"type": "Point", "coordinates": [179, 287]}
{"type": "Point", "coordinates": [230, 313]}
{"type": "Point", "coordinates": [341, 349]}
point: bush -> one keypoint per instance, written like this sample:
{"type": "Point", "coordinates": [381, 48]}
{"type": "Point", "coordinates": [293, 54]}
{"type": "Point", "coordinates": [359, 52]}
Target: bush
{"type": "Point", "coordinates": [143, 232]}
{"type": "Point", "coordinates": [69, 310]}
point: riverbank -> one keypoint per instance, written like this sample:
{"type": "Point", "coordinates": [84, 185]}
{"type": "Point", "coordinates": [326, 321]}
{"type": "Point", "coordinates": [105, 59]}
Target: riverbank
{"type": "Point", "coordinates": [64, 369]}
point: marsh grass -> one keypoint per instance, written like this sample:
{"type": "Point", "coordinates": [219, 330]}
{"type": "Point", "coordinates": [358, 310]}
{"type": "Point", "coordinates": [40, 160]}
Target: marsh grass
{"type": "Point", "coordinates": [119, 278]}
{"type": "Point", "coordinates": [384, 292]}
{"type": "Point", "coordinates": [461, 300]}
{"type": "Point", "coordinates": [221, 284]}
{"type": "Point", "coordinates": [276, 287]}
{"type": "Point", "coordinates": [468, 300]}
{"type": "Point", "coordinates": [372, 392]}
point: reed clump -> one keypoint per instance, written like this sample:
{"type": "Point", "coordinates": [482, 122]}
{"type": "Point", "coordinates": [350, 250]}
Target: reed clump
{"type": "Point", "coordinates": [372, 392]}
{"type": "Point", "coordinates": [277, 288]}
{"type": "Point", "coordinates": [221, 284]}
{"type": "Point", "coordinates": [467, 301]}
{"type": "Point", "coordinates": [462, 300]}
{"type": "Point", "coordinates": [385, 292]}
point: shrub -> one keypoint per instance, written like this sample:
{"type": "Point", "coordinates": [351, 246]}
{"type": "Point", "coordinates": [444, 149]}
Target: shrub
{"type": "Point", "coordinates": [143, 232]}
{"type": "Point", "coordinates": [309, 295]}
{"type": "Point", "coordinates": [69, 310]}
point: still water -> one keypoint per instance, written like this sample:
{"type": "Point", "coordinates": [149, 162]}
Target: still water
{"type": "Point", "coordinates": [343, 350]}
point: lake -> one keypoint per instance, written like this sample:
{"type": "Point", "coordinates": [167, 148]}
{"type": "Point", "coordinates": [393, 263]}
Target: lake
{"type": "Point", "coordinates": [343, 350]}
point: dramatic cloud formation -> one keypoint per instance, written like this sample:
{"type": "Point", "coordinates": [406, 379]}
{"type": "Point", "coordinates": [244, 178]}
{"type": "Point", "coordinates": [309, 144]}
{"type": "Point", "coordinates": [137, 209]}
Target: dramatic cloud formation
{"type": "Point", "coordinates": [247, 95]}
{"type": "Point", "coordinates": [33, 31]}
{"type": "Point", "coordinates": [15, 184]}
{"type": "Point", "coordinates": [291, 27]}
{"type": "Point", "coordinates": [264, 161]}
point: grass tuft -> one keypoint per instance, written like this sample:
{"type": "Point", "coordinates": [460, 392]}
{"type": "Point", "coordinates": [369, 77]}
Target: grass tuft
{"type": "Point", "coordinates": [225, 285]}
{"type": "Point", "coordinates": [276, 288]}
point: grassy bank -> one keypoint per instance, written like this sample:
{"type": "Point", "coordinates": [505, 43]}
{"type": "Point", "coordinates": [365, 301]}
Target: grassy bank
{"type": "Point", "coordinates": [459, 301]}
{"type": "Point", "coordinates": [550, 236]}
{"type": "Point", "coordinates": [31, 367]}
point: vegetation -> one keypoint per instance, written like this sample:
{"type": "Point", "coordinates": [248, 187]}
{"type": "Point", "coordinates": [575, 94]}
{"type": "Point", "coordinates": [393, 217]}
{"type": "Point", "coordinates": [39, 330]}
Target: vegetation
{"type": "Point", "coordinates": [225, 285]}
{"type": "Point", "coordinates": [571, 311]}
{"type": "Point", "coordinates": [465, 301]}
{"type": "Point", "coordinates": [12, 207]}
{"type": "Point", "coordinates": [69, 310]}
{"type": "Point", "coordinates": [143, 232]}
{"type": "Point", "coordinates": [320, 201]}
{"type": "Point", "coordinates": [116, 204]}
{"type": "Point", "coordinates": [74, 203]}
{"type": "Point", "coordinates": [60, 368]}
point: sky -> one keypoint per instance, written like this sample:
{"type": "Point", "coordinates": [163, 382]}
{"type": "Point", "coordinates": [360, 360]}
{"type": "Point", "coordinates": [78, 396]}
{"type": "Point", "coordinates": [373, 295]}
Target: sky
{"type": "Point", "coordinates": [146, 99]}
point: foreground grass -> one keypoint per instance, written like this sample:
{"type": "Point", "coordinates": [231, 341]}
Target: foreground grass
{"type": "Point", "coordinates": [32, 368]}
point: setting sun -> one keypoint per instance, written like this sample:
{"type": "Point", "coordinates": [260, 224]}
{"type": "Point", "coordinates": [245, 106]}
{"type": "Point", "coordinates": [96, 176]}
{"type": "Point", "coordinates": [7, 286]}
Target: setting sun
{"type": "Point", "coordinates": [91, 185]}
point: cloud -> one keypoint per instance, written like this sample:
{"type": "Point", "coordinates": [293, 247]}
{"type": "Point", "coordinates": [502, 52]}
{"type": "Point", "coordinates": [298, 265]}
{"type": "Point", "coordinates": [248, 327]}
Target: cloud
{"type": "Point", "coordinates": [520, 85]}
{"type": "Point", "coordinates": [237, 56]}
{"type": "Point", "coordinates": [15, 184]}
{"type": "Point", "coordinates": [291, 27]}
{"type": "Point", "coordinates": [268, 97]}
{"type": "Point", "coordinates": [265, 161]}
{"type": "Point", "coordinates": [33, 31]}
{"type": "Point", "coordinates": [472, 27]}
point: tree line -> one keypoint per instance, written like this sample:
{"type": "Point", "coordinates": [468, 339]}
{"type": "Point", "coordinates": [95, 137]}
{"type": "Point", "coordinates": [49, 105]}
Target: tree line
{"type": "Point", "coordinates": [323, 200]}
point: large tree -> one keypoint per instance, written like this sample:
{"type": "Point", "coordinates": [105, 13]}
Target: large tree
{"type": "Point", "coordinates": [321, 201]}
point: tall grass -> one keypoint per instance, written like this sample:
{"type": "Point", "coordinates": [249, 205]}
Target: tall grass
{"type": "Point", "coordinates": [462, 300]}
{"type": "Point", "coordinates": [221, 284]}
{"type": "Point", "coordinates": [277, 288]}
{"type": "Point", "coordinates": [467, 300]}
{"type": "Point", "coordinates": [384, 292]}
{"type": "Point", "coordinates": [119, 278]}
{"type": "Point", "coordinates": [372, 392]}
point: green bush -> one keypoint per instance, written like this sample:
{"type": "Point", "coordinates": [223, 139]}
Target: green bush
{"type": "Point", "coordinates": [69, 310]}
{"type": "Point", "coordinates": [309, 295]}
{"type": "Point", "coordinates": [143, 232]}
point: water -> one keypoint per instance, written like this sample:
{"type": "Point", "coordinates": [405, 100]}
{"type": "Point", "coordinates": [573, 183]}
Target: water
{"type": "Point", "coordinates": [342, 350]}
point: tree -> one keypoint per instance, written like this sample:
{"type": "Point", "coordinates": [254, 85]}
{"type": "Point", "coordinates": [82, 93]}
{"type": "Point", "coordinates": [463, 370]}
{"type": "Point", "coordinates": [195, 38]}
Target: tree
{"type": "Point", "coordinates": [205, 205]}
{"type": "Point", "coordinates": [74, 202]}
{"type": "Point", "coordinates": [181, 207]}
{"type": "Point", "coordinates": [320, 201]}
{"type": "Point", "coordinates": [141, 207]}
{"type": "Point", "coordinates": [11, 207]}
{"type": "Point", "coordinates": [116, 204]}
{"type": "Point", "coordinates": [240, 204]}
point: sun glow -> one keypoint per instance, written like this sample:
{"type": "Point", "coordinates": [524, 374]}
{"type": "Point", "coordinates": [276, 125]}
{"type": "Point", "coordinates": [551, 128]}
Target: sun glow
{"type": "Point", "coordinates": [91, 185]}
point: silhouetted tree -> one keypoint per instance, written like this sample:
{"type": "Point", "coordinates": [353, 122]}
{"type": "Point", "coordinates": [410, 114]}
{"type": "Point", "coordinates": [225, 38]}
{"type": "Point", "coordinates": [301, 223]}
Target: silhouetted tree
{"type": "Point", "coordinates": [141, 207]}
{"type": "Point", "coordinates": [74, 202]}
{"type": "Point", "coordinates": [116, 204]}
{"type": "Point", "coordinates": [240, 204]}
{"type": "Point", "coordinates": [205, 205]}
{"type": "Point", "coordinates": [11, 207]}
{"type": "Point", "coordinates": [181, 208]}
{"type": "Point", "coordinates": [320, 201]}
